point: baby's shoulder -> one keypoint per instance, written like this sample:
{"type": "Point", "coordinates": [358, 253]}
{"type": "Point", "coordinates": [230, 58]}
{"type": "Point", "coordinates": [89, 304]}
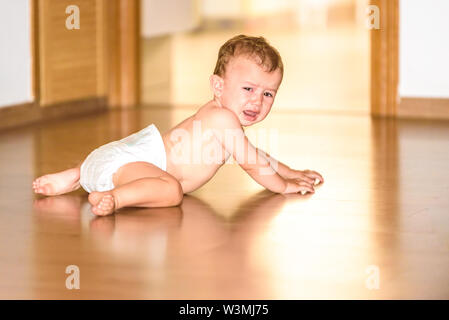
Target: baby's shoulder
{"type": "Point", "coordinates": [218, 117]}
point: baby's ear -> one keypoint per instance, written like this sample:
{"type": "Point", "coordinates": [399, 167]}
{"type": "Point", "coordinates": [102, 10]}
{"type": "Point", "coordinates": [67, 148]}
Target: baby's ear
{"type": "Point", "coordinates": [216, 84]}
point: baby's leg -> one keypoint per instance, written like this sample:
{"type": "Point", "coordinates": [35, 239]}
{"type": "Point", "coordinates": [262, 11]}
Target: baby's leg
{"type": "Point", "coordinates": [138, 184]}
{"type": "Point", "coordinates": [58, 183]}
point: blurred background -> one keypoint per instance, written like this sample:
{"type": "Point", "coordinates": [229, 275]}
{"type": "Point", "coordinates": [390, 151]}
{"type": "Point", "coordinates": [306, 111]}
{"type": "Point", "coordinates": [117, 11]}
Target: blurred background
{"type": "Point", "coordinates": [324, 45]}
{"type": "Point", "coordinates": [133, 53]}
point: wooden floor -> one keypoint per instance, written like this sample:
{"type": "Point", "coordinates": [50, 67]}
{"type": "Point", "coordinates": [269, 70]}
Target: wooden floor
{"type": "Point", "coordinates": [382, 211]}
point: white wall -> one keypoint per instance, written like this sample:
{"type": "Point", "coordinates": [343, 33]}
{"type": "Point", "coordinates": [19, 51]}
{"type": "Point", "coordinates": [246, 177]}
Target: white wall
{"type": "Point", "coordinates": [217, 9]}
{"type": "Point", "coordinates": [424, 48]}
{"type": "Point", "coordinates": [168, 16]}
{"type": "Point", "coordinates": [240, 9]}
{"type": "Point", "coordinates": [15, 52]}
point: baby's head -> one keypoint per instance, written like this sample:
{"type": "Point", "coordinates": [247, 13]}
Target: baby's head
{"type": "Point", "coordinates": [246, 77]}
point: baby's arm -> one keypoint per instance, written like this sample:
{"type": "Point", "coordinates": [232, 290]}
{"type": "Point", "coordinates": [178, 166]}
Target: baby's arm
{"type": "Point", "coordinates": [229, 133]}
{"type": "Point", "coordinates": [287, 173]}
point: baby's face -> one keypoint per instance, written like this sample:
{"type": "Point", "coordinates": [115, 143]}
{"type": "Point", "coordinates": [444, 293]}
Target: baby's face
{"type": "Point", "coordinates": [248, 90]}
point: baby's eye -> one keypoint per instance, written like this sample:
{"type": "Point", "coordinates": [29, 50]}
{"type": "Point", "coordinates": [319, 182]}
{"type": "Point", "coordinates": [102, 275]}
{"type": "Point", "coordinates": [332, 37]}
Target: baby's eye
{"type": "Point", "coordinates": [247, 88]}
{"type": "Point", "coordinates": [268, 94]}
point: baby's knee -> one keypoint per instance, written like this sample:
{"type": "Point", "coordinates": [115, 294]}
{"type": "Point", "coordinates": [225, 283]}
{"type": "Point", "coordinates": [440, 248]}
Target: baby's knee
{"type": "Point", "coordinates": [175, 191]}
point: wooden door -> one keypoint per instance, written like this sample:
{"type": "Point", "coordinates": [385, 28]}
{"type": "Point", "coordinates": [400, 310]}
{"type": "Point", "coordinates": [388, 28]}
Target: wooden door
{"type": "Point", "coordinates": [99, 59]}
{"type": "Point", "coordinates": [71, 61]}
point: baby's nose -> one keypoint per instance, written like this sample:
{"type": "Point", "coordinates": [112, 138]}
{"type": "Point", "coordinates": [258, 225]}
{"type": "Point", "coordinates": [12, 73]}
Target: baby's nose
{"type": "Point", "coordinates": [257, 99]}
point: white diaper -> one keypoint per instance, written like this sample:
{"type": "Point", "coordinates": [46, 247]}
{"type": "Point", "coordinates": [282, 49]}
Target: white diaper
{"type": "Point", "coordinates": [97, 170]}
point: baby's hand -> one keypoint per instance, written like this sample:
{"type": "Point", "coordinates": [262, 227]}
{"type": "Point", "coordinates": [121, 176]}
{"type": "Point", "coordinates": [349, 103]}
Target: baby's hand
{"type": "Point", "coordinates": [296, 186]}
{"type": "Point", "coordinates": [309, 176]}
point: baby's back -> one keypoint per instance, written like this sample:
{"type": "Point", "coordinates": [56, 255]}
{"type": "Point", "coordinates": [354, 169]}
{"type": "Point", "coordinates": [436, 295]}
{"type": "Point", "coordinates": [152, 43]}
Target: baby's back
{"type": "Point", "coordinates": [193, 154]}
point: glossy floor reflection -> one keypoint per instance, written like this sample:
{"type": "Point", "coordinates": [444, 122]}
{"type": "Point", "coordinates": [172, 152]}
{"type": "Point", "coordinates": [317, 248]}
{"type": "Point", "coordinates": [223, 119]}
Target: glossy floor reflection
{"type": "Point", "coordinates": [383, 207]}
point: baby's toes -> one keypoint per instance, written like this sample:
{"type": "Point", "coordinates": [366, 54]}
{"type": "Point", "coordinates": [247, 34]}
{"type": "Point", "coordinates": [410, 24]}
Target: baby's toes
{"type": "Point", "coordinates": [108, 204]}
{"type": "Point", "coordinates": [40, 185]}
{"type": "Point", "coordinates": [97, 210]}
{"type": "Point", "coordinates": [45, 189]}
{"type": "Point", "coordinates": [37, 187]}
{"type": "Point", "coordinates": [41, 180]}
{"type": "Point", "coordinates": [36, 184]}
{"type": "Point", "coordinates": [106, 201]}
{"type": "Point", "coordinates": [105, 207]}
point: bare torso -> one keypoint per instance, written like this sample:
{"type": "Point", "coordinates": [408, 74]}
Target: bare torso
{"type": "Point", "coordinates": [193, 155]}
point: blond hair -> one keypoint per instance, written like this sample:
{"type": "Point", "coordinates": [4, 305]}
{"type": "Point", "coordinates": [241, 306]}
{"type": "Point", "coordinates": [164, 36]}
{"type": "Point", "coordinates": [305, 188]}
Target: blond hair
{"type": "Point", "coordinates": [256, 48]}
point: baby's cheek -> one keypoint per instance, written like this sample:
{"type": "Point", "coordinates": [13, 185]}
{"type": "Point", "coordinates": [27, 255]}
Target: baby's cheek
{"type": "Point", "coordinates": [266, 109]}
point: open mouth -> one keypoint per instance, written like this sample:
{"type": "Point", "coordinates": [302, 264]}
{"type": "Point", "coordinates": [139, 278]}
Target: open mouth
{"type": "Point", "coordinates": [250, 115]}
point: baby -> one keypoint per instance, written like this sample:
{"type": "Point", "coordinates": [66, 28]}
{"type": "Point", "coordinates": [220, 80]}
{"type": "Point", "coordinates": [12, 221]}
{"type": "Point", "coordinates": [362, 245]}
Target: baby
{"type": "Point", "coordinates": [147, 169]}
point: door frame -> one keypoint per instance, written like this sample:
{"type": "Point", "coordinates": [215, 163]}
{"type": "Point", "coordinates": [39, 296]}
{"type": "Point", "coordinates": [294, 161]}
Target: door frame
{"type": "Point", "coordinates": [119, 21]}
{"type": "Point", "coordinates": [123, 37]}
{"type": "Point", "coordinates": [384, 98]}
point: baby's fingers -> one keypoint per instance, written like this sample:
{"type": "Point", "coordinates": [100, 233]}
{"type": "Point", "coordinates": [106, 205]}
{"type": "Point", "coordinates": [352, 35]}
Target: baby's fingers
{"type": "Point", "coordinates": [314, 175]}
{"type": "Point", "coordinates": [304, 177]}
{"type": "Point", "coordinates": [295, 186]}
{"type": "Point", "coordinates": [305, 187]}
{"type": "Point", "coordinates": [305, 182]}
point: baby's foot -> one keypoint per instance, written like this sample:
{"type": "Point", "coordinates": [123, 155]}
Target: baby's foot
{"type": "Point", "coordinates": [103, 203]}
{"type": "Point", "coordinates": [57, 183]}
